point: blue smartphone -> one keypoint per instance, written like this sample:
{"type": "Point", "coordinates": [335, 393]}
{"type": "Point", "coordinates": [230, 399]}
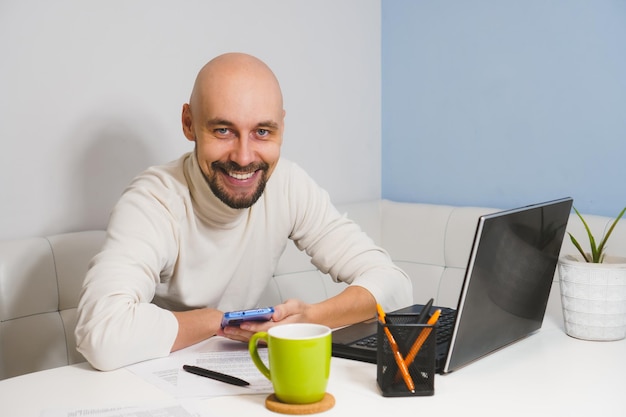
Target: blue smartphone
{"type": "Point", "coordinates": [235, 318]}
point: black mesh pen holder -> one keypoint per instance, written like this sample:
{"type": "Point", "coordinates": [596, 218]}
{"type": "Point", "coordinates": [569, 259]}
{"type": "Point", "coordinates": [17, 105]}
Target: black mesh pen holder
{"type": "Point", "coordinates": [421, 369]}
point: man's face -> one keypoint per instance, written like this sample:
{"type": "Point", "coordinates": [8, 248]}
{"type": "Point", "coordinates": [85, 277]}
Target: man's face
{"type": "Point", "coordinates": [238, 130]}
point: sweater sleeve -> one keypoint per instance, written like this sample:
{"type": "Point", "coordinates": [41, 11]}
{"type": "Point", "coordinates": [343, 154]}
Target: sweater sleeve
{"type": "Point", "coordinates": [116, 319]}
{"type": "Point", "coordinates": [339, 247]}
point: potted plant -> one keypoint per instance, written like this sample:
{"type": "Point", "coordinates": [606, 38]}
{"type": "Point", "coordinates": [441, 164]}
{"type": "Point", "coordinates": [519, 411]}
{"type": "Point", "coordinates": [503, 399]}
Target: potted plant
{"type": "Point", "coordinates": [593, 288]}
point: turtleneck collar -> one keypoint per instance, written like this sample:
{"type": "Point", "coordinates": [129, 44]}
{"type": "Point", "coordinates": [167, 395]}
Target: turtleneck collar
{"type": "Point", "coordinates": [207, 206]}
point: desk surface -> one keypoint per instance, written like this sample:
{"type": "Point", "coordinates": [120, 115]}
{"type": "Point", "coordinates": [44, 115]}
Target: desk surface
{"type": "Point", "coordinates": [548, 373]}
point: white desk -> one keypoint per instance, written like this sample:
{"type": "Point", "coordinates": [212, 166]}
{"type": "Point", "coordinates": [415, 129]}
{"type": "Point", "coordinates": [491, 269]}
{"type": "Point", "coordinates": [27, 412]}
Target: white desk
{"type": "Point", "coordinates": [548, 373]}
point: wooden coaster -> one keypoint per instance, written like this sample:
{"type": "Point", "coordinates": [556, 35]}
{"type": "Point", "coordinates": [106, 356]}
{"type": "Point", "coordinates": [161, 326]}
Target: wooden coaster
{"type": "Point", "coordinates": [326, 403]}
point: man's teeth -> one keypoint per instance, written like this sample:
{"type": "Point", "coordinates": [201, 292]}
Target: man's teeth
{"type": "Point", "coordinates": [241, 176]}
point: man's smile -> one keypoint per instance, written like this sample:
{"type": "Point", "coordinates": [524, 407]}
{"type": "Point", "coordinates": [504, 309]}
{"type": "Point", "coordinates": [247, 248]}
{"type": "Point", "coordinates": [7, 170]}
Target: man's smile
{"type": "Point", "coordinates": [242, 176]}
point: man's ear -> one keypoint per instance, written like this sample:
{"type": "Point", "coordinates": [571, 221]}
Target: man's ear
{"type": "Point", "coordinates": [187, 122]}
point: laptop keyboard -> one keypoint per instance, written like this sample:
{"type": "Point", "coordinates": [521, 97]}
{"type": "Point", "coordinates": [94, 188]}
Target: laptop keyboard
{"type": "Point", "coordinates": [445, 326]}
{"type": "Point", "coordinates": [368, 342]}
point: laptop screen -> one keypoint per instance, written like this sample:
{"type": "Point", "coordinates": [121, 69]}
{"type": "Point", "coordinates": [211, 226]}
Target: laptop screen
{"type": "Point", "coordinates": [508, 279]}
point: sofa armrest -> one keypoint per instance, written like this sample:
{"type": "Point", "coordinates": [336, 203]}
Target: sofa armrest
{"type": "Point", "coordinates": [40, 281]}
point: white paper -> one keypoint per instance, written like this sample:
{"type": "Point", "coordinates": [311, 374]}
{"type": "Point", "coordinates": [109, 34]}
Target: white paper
{"type": "Point", "coordinates": [178, 409]}
{"type": "Point", "coordinates": [216, 354]}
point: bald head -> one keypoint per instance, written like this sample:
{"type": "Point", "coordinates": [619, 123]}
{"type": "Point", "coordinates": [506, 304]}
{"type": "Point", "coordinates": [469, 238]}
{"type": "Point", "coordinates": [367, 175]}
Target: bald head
{"type": "Point", "coordinates": [234, 73]}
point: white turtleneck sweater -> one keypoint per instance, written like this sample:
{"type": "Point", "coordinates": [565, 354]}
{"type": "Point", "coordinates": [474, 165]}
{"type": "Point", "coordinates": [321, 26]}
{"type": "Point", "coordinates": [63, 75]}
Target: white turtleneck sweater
{"type": "Point", "coordinates": [172, 245]}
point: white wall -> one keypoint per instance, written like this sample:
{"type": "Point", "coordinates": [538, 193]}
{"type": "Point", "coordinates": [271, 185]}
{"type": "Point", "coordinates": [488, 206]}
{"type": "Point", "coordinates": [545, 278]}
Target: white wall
{"type": "Point", "coordinates": [91, 92]}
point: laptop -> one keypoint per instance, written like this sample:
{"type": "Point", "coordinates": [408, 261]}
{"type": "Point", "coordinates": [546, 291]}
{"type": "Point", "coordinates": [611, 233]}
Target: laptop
{"type": "Point", "coordinates": [504, 294]}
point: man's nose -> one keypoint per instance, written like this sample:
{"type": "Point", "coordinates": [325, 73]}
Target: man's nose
{"type": "Point", "coordinates": [242, 154]}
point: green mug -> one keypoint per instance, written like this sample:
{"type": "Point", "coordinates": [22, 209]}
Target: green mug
{"type": "Point", "coordinates": [299, 361]}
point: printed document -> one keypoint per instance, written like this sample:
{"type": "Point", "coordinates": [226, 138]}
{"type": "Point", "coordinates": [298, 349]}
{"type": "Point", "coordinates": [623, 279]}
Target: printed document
{"type": "Point", "coordinates": [216, 354]}
{"type": "Point", "coordinates": [182, 409]}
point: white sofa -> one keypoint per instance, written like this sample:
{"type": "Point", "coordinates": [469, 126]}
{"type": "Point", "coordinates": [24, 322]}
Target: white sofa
{"type": "Point", "coordinates": [40, 277]}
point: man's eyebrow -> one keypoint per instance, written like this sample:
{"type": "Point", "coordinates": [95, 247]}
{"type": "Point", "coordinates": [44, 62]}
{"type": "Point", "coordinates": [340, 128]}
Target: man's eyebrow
{"type": "Point", "coordinates": [222, 122]}
{"type": "Point", "coordinates": [270, 124]}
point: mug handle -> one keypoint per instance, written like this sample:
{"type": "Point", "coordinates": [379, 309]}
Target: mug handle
{"type": "Point", "coordinates": [254, 353]}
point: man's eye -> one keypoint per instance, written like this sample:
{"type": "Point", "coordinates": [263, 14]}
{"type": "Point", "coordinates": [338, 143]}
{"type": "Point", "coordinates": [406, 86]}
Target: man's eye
{"type": "Point", "coordinates": [263, 132]}
{"type": "Point", "coordinates": [221, 131]}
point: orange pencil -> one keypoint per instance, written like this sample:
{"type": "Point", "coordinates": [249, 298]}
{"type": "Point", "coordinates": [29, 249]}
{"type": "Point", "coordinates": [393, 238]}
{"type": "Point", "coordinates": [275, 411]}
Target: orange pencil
{"type": "Point", "coordinates": [404, 370]}
{"type": "Point", "coordinates": [417, 345]}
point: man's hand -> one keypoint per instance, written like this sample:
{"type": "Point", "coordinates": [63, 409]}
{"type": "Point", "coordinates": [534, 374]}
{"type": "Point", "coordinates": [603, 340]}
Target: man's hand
{"type": "Point", "coordinates": [292, 311]}
{"type": "Point", "coordinates": [353, 305]}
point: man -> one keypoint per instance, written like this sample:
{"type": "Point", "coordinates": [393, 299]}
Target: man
{"type": "Point", "coordinates": [203, 234]}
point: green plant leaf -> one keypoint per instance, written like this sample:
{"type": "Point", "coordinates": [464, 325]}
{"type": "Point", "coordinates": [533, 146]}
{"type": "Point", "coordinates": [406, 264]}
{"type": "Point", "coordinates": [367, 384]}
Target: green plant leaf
{"type": "Point", "coordinates": [597, 252]}
{"type": "Point", "coordinates": [577, 245]}
{"type": "Point", "coordinates": [592, 241]}
{"type": "Point", "coordinates": [608, 233]}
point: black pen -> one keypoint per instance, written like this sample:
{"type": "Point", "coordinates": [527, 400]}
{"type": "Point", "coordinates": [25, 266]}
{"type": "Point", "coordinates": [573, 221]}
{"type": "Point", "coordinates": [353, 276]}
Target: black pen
{"type": "Point", "coordinates": [425, 313]}
{"type": "Point", "coordinates": [215, 375]}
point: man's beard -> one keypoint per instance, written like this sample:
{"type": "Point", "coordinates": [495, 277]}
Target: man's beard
{"type": "Point", "coordinates": [233, 201]}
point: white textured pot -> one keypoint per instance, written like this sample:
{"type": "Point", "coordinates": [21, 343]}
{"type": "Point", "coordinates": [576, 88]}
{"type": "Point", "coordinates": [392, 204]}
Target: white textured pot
{"type": "Point", "coordinates": [593, 298]}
